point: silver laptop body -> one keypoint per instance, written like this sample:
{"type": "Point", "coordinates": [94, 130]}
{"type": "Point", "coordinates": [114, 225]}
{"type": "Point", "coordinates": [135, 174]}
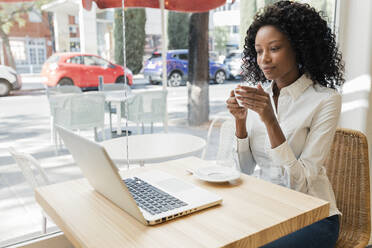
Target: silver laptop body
{"type": "Point", "coordinates": [104, 177]}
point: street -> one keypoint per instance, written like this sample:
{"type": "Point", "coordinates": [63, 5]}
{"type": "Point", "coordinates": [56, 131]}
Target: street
{"type": "Point", "coordinates": [25, 125]}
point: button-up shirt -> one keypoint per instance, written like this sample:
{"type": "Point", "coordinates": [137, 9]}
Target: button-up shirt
{"type": "Point", "coordinates": [308, 114]}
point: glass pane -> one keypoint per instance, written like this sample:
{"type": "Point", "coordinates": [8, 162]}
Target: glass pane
{"type": "Point", "coordinates": [86, 48]}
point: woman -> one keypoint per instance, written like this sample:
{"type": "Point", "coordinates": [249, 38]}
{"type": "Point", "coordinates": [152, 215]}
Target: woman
{"type": "Point", "coordinates": [288, 127]}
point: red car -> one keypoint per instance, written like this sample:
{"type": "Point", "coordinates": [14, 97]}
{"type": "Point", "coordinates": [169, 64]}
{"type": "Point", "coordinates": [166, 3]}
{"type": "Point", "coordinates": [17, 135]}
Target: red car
{"type": "Point", "coordinates": [82, 70]}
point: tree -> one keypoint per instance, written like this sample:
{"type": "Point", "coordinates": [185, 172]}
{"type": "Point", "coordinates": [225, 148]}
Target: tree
{"type": "Point", "coordinates": [178, 30]}
{"type": "Point", "coordinates": [198, 77]}
{"type": "Point", "coordinates": [220, 37]}
{"type": "Point", "coordinates": [15, 14]}
{"type": "Point", "coordinates": [248, 9]}
{"type": "Point", "coordinates": [135, 20]}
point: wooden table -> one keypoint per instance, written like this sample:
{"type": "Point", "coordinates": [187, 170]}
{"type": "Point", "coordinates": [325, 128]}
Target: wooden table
{"type": "Point", "coordinates": [153, 147]}
{"type": "Point", "coordinates": [253, 213]}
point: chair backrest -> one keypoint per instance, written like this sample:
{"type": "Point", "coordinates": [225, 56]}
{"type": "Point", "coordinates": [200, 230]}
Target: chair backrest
{"type": "Point", "coordinates": [30, 167]}
{"type": "Point", "coordinates": [348, 171]}
{"type": "Point", "coordinates": [78, 111]}
{"type": "Point", "coordinates": [62, 89]}
{"type": "Point", "coordinates": [226, 135]}
{"type": "Point", "coordinates": [114, 87]}
{"type": "Point", "coordinates": [147, 106]}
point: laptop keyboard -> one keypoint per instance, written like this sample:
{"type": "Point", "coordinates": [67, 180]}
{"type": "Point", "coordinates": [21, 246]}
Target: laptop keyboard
{"type": "Point", "coordinates": [150, 198]}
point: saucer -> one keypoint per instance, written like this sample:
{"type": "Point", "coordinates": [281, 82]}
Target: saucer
{"type": "Point", "coordinates": [216, 174]}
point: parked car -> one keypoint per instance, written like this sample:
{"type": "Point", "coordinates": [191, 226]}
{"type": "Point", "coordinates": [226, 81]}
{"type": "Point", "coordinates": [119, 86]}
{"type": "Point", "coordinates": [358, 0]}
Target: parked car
{"type": "Point", "coordinates": [82, 70]}
{"type": "Point", "coordinates": [233, 61]}
{"type": "Point", "coordinates": [9, 80]}
{"type": "Point", "coordinates": [177, 68]}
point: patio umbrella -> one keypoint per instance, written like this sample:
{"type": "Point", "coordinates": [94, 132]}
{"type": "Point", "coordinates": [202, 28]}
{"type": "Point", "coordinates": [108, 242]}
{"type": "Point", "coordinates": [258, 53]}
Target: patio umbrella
{"type": "Point", "coordinates": [176, 5]}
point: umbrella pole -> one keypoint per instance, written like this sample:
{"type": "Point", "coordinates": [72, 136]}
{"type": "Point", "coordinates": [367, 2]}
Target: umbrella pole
{"type": "Point", "coordinates": [164, 61]}
{"type": "Point", "coordinates": [125, 83]}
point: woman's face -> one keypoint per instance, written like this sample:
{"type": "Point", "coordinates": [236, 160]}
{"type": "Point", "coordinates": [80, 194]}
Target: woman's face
{"type": "Point", "coordinates": [275, 56]}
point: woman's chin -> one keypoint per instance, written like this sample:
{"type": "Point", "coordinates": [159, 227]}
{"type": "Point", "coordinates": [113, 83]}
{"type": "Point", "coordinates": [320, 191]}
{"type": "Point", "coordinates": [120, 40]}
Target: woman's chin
{"type": "Point", "coordinates": [269, 76]}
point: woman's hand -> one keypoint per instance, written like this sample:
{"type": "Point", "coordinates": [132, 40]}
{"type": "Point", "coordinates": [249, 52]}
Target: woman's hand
{"type": "Point", "coordinates": [258, 100]}
{"type": "Point", "coordinates": [238, 112]}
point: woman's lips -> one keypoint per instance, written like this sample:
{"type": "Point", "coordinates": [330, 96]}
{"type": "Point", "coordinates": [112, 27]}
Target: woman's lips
{"type": "Point", "coordinates": [267, 69]}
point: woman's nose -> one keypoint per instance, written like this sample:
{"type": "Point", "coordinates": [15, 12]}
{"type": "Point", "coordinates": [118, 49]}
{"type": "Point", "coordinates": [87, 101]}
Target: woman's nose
{"type": "Point", "coordinates": [266, 57]}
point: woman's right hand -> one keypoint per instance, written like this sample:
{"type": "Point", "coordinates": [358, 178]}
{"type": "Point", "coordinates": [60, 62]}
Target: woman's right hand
{"type": "Point", "coordinates": [238, 112]}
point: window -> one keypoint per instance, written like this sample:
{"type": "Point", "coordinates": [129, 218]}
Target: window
{"type": "Point", "coordinates": [183, 56]}
{"type": "Point", "coordinates": [26, 120]}
{"type": "Point", "coordinates": [19, 51]}
{"type": "Point", "coordinates": [95, 61]}
{"type": "Point", "coordinates": [75, 60]}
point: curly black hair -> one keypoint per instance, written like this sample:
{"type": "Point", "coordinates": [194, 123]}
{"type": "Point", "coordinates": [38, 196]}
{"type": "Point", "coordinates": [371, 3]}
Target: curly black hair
{"type": "Point", "coordinates": [312, 40]}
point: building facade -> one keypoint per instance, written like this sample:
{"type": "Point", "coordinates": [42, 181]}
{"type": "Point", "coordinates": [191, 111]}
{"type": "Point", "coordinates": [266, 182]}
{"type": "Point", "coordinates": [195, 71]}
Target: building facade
{"type": "Point", "coordinates": [30, 44]}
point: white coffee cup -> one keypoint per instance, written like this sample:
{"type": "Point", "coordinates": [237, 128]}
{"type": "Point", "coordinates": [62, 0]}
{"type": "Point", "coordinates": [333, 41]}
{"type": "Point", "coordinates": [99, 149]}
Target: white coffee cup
{"type": "Point", "coordinates": [237, 92]}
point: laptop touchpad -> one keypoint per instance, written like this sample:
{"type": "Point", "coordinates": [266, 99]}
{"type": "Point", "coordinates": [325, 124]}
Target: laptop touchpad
{"type": "Point", "coordinates": [174, 185]}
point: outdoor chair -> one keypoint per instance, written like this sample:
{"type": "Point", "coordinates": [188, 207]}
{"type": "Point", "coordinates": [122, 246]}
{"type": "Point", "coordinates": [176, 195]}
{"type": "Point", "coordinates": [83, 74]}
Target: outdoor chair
{"type": "Point", "coordinates": [80, 111]}
{"type": "Point", "coordinates": [348, 171]}
{"type": "Point", "coordinates": [33, 173]}
{"type": "Point", "coordinates": [61, 89]}
{"type": "Point", "coordinates": [146, 107]}
{"type": "Point", "coordinates": [114, 87]}
{"type": "Point", "coordinates": [225, 153]}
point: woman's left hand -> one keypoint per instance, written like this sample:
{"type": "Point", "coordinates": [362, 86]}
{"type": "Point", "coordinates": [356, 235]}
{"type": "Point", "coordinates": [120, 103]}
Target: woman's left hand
{"type": "Point", "coordinates": [258, 100]}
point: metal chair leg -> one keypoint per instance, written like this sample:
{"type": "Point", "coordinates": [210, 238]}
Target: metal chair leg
{"type": "Point", "coordinates": [44, 224]}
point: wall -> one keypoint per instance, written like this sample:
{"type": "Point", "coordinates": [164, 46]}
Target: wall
{"type": "Point", "coordinates": [355, 38]}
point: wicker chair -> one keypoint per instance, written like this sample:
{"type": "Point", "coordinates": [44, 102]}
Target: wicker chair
{"type": "Point", "coordinates": [348, 170]}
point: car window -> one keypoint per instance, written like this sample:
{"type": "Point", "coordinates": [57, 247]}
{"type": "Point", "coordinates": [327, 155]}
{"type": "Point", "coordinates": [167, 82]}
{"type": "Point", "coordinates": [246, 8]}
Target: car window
{"type": "Point", "coordinates": [75, 60]}
{"type": "Point", "coordinates": [183, 56]}
{"type": "Point", "coordinates": [95, 61]}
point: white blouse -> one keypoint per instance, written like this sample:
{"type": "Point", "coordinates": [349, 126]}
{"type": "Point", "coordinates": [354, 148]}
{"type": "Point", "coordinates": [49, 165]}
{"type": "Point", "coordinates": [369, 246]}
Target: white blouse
{"type": "Point", "coordinates": [308, 114]}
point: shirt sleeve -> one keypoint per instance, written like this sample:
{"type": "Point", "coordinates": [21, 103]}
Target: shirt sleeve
{"type": "Point", "coordinates": [303, 170]}
{"type": "Point", "coordinates": [245, 159]}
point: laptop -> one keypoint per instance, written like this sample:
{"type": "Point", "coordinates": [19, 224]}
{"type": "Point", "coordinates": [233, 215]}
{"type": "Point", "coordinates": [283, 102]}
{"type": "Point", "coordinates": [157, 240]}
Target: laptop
{"type": "Point", "coordinates": [151, 197]}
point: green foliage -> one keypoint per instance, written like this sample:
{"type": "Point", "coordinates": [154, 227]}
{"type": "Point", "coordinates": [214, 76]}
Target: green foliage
{"type": "Point", "coordinates": [14, 13]}
{"type": "Point", "coordinates": [178, 30]}
{"type": "Point", "coordinates": [220, 37]}
{"type": "Point", "coordinates": [135, 20]}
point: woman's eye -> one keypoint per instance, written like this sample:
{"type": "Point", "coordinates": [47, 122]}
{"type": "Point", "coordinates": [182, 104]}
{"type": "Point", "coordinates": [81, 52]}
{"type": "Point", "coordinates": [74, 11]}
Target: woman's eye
{"type": "Point", "coordinates": [275, 48]}
{"type": "Point", "coordinates": [258, 51]}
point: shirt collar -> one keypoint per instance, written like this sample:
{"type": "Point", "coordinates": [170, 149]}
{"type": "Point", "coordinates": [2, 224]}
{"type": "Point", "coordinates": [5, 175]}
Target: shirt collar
{"type": "Point", "coordinates": [296, 88]}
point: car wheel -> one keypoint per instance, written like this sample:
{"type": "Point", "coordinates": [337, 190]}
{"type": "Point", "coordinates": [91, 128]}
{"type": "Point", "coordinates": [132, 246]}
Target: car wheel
{"type": "Point", "coordinates": [4, 88]}
{"type": "Point", "coordinates": [65, 81]}
{"type": "Point", "coordinates": [220, 77]}
{"type": "Point", "coordinates": [175, 79]}
{"type": "Point", "coordinates": [120, 80]}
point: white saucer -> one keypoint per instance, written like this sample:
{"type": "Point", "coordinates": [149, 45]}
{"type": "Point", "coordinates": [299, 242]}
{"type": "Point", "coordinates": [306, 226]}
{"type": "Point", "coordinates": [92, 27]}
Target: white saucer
{"type": "Point", "coordinates": [216, 174]}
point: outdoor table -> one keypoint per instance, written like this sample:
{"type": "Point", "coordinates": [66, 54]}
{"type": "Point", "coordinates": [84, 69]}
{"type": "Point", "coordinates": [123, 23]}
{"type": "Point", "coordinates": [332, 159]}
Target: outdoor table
{"type": "Point", "coordinates": [116, 98]}
{"type": "Point", "coordinates": [153, 147]}
{"type": "Point", "coordinates": [253, 213]}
